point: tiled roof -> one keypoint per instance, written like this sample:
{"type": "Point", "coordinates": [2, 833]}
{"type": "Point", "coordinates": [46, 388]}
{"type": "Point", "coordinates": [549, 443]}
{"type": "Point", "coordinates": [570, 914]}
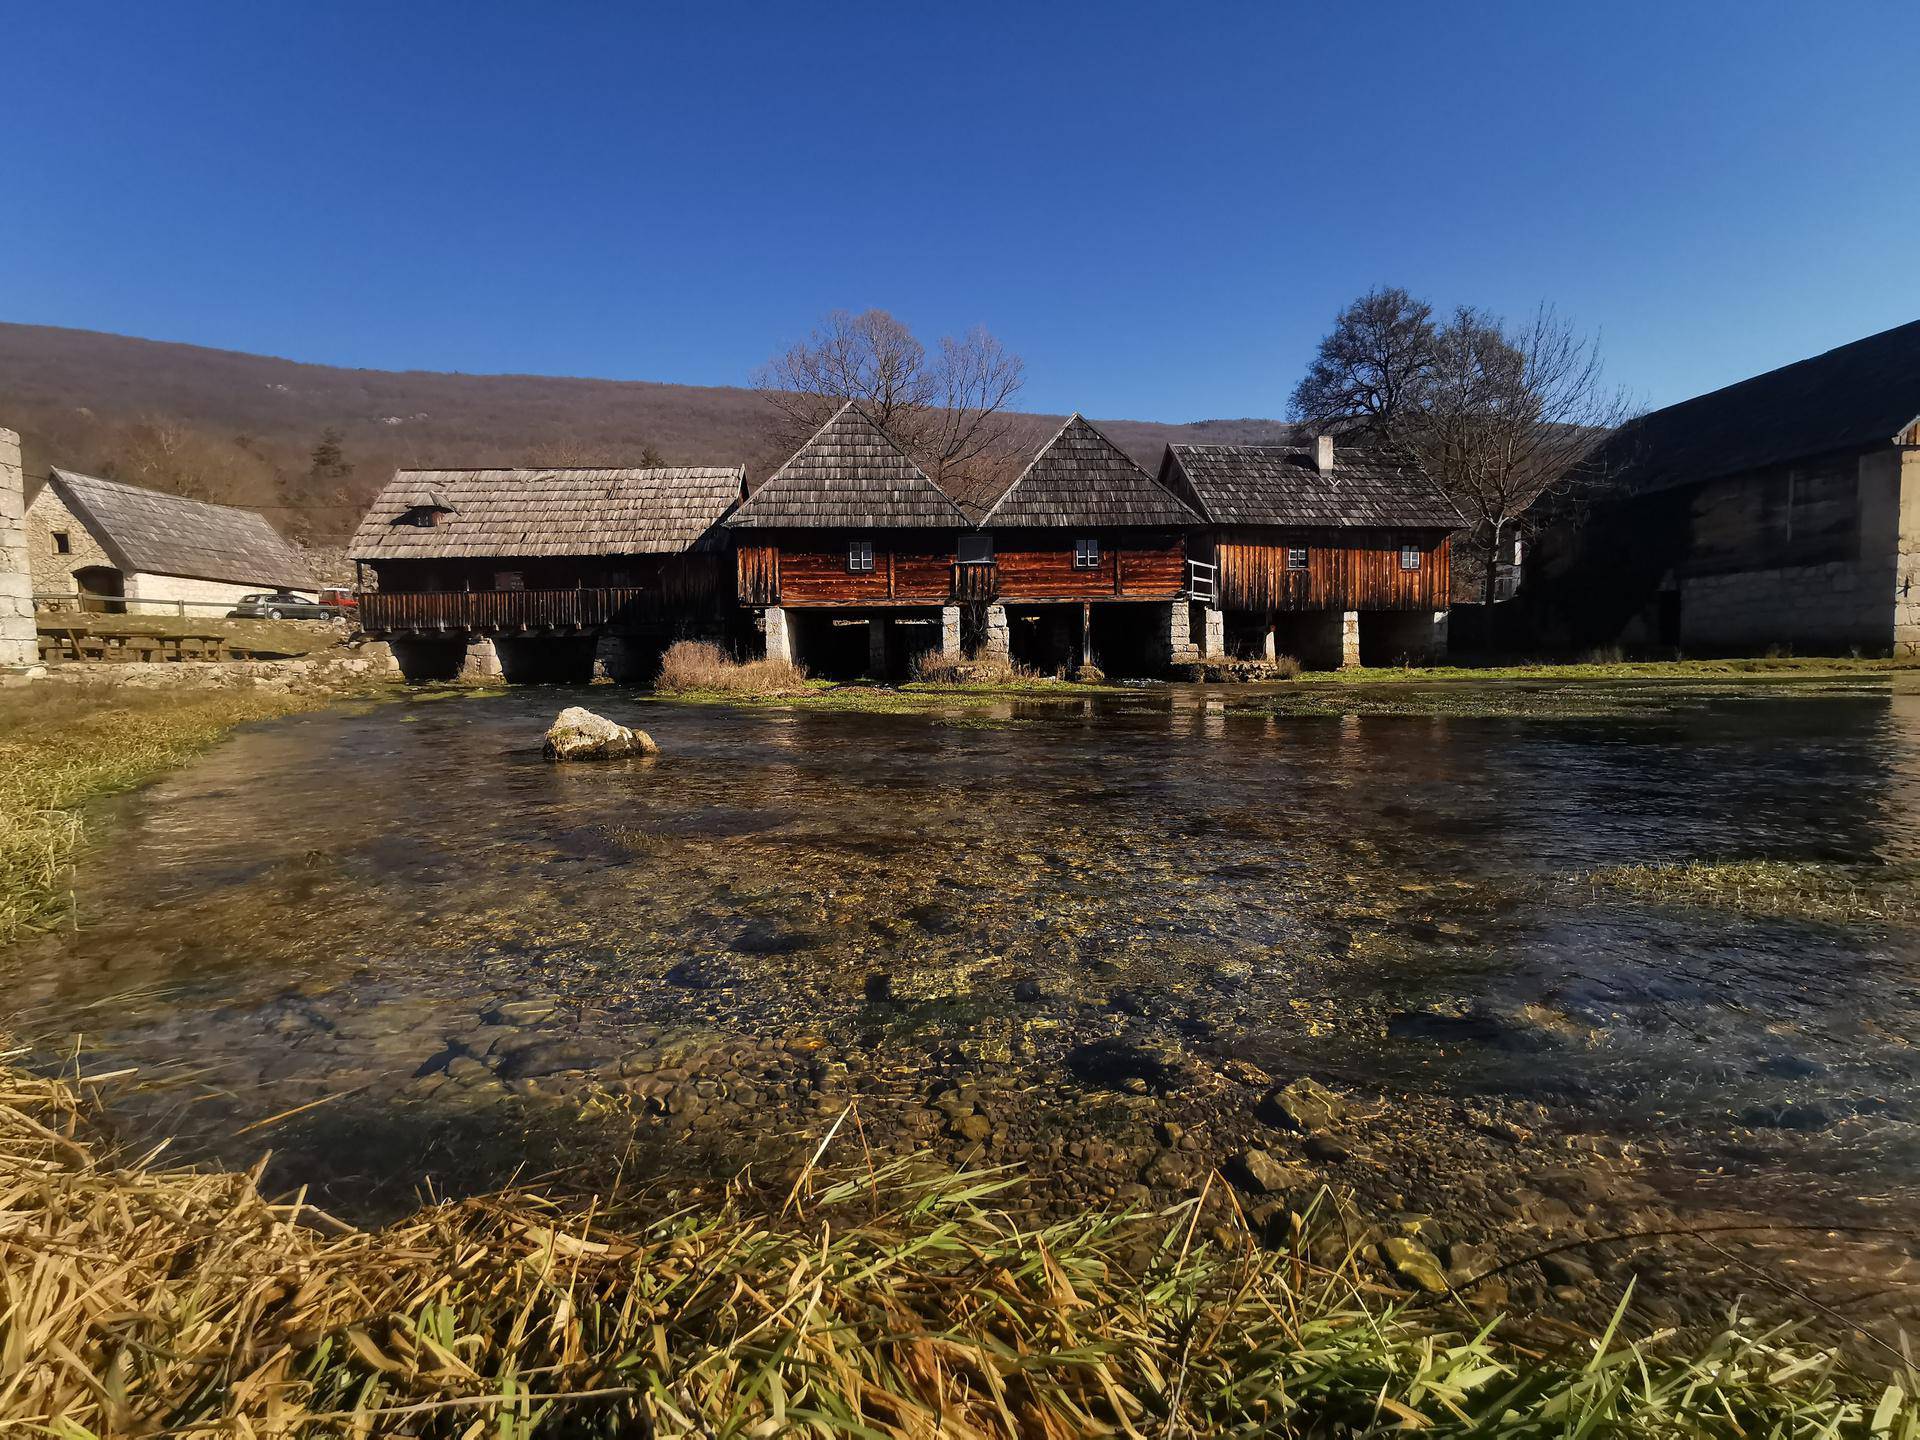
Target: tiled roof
{"type": "Point", "coordinates": [145, 531]}
{"type": "Point", "coordinates": [530, 512]}
{"type": "Point", "coordinates": [1280, 485]}
{"type": "Point", "coordinates": [849, 476]}
{"type": "Point", "coordinates": [1081, 478]}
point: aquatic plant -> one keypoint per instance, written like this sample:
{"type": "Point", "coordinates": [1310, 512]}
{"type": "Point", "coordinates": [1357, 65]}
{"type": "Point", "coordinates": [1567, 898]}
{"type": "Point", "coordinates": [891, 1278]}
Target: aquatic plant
{"type": "Point", "coordinates": [63, 746]}
{"type": "Point", "coordinates": [697, 666]}
{"type": "Point", "coordinates": [880, 1302]}
{"type": "Point", "coordinates": [1787, 889]}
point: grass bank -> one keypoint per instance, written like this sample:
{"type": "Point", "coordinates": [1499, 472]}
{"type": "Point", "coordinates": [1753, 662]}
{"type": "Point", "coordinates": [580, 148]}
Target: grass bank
{"type": "Point", "coordinates": [145, 1299]}
{"type": "Point", "coordinates": [1756, 668]}
{"type": "Point", "coordinates": [64, 746]}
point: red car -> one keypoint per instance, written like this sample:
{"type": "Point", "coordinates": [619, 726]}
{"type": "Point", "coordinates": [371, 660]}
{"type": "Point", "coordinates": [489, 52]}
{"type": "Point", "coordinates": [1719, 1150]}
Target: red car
{"type": "Point", "coordinates": [341, 602]}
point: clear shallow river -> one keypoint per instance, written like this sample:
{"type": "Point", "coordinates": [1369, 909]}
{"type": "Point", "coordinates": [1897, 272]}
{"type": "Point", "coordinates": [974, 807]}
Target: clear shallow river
{"type": "Point", "coordinates": [1069, 902]}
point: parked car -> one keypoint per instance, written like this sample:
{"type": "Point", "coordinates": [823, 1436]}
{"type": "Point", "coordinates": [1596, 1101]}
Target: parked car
{"type": "Point", "coordinates": [279, 605]}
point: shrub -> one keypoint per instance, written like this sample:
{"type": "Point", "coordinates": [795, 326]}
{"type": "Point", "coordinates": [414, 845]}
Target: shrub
{"type": "Point", "coordinates": [697, 665]}
{"type": "Point", "coordinates": [1285, 667]}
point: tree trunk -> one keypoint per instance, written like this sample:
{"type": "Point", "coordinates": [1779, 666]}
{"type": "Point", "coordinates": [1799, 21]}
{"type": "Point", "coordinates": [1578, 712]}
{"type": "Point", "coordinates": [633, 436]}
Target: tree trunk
{"type": "Point", "coordinates": [1489, 587]}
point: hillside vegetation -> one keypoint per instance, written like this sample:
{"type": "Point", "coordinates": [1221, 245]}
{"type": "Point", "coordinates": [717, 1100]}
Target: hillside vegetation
{"type": "Point", "coordinates": [242, 429]}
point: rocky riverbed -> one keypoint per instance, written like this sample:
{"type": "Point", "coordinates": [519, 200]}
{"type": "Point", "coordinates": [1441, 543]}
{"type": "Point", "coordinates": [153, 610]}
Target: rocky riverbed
{"type": "Point", "coordinates": [1344, 974]}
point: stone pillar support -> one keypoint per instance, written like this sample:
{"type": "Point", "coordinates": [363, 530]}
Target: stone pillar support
{"type": "Point", "coordinates": [1180, 649]}
{"type": "Point", "coordinates": [481, 661]}
{"type": "Point", "coordinates": [877, 647]}
{"type": "Point", "coordinates": [1349, 639]}
{"type": "Point", "coordinates": [1437, 651]}
{"type": "Point", "coordinates": [19, 642]}
{"type": "Point", "coordinates": [1269, 641]}
{"type": "Point", "coordinates": [1213, 642]}
{"type": "Point", "coordinates": [998, 644]}
{"type": "Point", "coordinates": [779, 633]}
{"type": "Point", "coordinates": [950, 631]}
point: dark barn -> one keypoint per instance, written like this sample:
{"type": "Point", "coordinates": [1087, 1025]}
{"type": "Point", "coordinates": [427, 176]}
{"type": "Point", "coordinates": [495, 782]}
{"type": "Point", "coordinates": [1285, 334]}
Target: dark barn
{"type": "Point", "coordinates": [1781, 511]}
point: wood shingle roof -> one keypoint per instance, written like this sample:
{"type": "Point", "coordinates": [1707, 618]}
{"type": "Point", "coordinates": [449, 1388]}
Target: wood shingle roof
{"type": "Point", "coordinates": [850, 475]}
{"type": "Point", "coordinates": [530, 513]}
{"type": "Point", "coordinates": [1860, 394]}
{"type": "Point", "coordinates": [1082, 479]}
{"type": "Point", "coordinates": [1280, 485]}
{"type": "Point", "coordinates": [148, 532]}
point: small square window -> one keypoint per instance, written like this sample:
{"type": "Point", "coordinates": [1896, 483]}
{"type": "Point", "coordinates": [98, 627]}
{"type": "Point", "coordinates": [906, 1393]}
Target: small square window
{"type": "Point", "coordinates": [976, 550]}
{"type": "Point", "coordinates": [1409, 557]}
{"type": "Point", "coordinates": [1086, 553]}
{"type": "Point", "coordinates": [62, 543]}
{"type": "Point", "coordinates": [1296, 557]}
{"type": "Point", "coordinates": [859, 557]}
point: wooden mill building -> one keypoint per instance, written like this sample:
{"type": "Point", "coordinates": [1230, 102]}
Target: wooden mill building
{"type": "Point", "coordinates": [1782, 510]}
{"type": "Point", "coordinates": [855, 560]}
{"type": "Point", "coordinates": [541, 574]}
{"type": "Point", "coordinates": [1335, 559]}
{"type": "Point", "coordinates": [852, 560]}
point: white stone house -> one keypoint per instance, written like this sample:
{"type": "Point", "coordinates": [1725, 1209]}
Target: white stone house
{"type": "Point", "coordinates": [149, 552]}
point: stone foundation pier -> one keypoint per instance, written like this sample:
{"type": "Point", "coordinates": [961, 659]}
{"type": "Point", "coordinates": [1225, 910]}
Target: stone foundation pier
{"type": "Point", "coordinates": [19, 642]}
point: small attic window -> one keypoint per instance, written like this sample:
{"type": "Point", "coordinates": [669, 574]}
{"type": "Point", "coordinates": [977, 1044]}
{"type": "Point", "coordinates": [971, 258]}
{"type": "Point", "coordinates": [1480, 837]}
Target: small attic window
{"type": "Point", "coordinates": [62, 543]}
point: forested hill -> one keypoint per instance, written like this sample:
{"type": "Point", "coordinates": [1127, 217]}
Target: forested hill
{"type": "Point", "coordinates": [243, 429]}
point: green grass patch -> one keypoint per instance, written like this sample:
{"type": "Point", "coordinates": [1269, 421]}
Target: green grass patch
{"type": "Point", "coordinates": [1786, 889]}
{"type": "Point", "coordinates": [64, 746]}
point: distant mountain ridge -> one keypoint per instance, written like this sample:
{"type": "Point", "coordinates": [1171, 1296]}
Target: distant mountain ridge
{"type": "Point", "coordinates": [242, 429]}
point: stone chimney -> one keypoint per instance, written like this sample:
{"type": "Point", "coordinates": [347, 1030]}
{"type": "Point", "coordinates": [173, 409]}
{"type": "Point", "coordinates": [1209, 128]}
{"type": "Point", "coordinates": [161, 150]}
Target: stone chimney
{"type": "Point", "coordinates": [19, 647]}
{"type": "Point", "coordinates": [1323, 454]}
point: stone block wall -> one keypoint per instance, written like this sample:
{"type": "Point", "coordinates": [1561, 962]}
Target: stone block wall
{"type": "Point", "coordinates": [1815, 609]}
{"type": "Point", "coordinates": [212, 597]}
{"type": "Point", "coordinates": [53, 571]}
{"type": "Point", "coordinates": [19, 646]}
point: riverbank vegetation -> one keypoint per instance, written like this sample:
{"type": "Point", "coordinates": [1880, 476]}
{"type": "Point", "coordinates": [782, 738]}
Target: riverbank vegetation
{"type": "Point", "coordinates": [62, 747]}
{"type": "Point", "coordinates": [696, 667]}
{"type": "Point", "coordinates": [1784, 889]}
{"type": "Point", "coordinates": [881, 1302]}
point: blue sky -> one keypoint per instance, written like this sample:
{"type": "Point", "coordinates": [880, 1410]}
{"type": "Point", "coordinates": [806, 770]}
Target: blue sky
{"type": "Point", "coordinates": [1160, 207]}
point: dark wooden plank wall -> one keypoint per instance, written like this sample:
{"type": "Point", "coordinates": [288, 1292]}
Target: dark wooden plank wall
{"type": "Point", "coordinates": [811, 569]}
{"type": "Point", "coordinates": [1345, 571]}
{"type": "Point", "coordinates": [1038, 565]}
{"type": "Point", "coordinates": [696, 580]}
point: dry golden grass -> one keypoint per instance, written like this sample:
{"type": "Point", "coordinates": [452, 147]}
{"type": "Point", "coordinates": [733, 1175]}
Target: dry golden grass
{"type": "Point", "coordinates": [692, 667]}
{"type": "Point", "coordinates": [141, 1300]}
{"type": "Point", "coordinates": [62, 746]}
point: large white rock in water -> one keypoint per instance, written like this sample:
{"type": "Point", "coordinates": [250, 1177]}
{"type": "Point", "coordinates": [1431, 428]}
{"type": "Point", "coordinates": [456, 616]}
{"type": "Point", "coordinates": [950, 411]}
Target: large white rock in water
{"type": "Point", "coordinates": [579, 734]}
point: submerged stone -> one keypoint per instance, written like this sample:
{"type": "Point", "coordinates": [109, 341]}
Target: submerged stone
{"type": "Point", "coordinates": [1260, 1171]}
{"type": "Point", "coordinates": [579, 734]}
{"type": "Point", "coordinates": [1305, 1104]}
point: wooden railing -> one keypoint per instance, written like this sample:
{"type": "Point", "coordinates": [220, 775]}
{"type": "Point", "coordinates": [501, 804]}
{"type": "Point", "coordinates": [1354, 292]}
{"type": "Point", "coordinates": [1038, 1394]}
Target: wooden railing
{"type": "Point", "coordinates": [385, 611]}
{"type": "Point", "coordinates": [976, 580]}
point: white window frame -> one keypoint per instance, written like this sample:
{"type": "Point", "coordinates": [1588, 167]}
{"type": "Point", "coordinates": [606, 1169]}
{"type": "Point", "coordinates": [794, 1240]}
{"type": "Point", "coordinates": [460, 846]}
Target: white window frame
{"type": "Point", "coordinates": [1301, 551]}
{"type": "Point", "coordinates": [860, 556]}
{"type": "Point", "coordinates": [1086, 552]}
{"type": "Point", "coordinates": [1409, 557]}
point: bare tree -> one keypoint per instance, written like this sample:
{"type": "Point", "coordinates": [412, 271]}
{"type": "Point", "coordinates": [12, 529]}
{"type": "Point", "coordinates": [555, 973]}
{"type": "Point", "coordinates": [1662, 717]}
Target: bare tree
{"type": "Point", "coordinates": [1369, 370]}
{"type": "Point", "coordinates": [571, 452]}
{"type": "Point", "coordinates": [1506, 416]}
{"type": "Point", "coordinates": [948, 410]}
